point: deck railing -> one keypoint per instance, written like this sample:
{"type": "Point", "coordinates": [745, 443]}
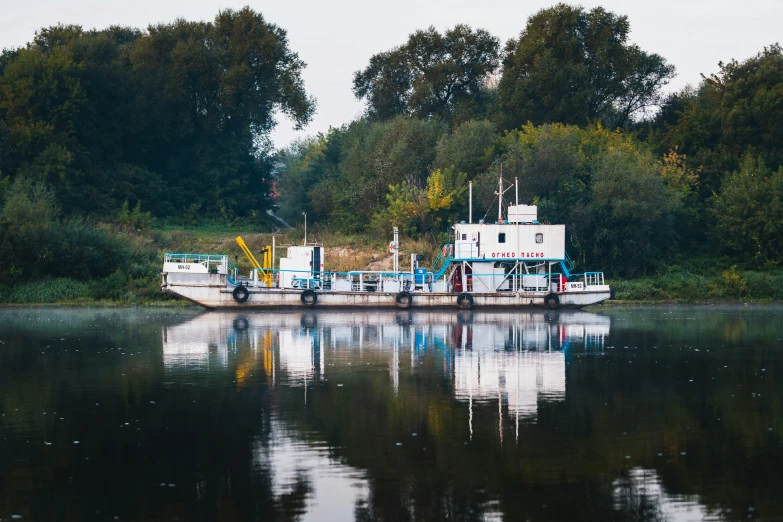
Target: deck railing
{"type": "Point", "coordinates": [210, 261]}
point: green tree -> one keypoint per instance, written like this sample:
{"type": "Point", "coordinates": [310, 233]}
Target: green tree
{"type": "Point", "coordinates": [306, 178]}
{"type": "Point", "coordinates": [618, 207]}
{"type": "Point", "coordinates": [176, 116]}
{"type": "Point", "coordinates": [575, 66]}
{"type": "Point", "coordinates": [469, 148]}
{"type": "Point", "coordinates": [377, 155]}
{"type": "Point", "coordinates": [734, 112]}
{"type": "Point", "coordinates": [749, 212]}
{"type": "Point", "coordinates": [627, 225]}
{"type": "Point", "coordinates": [423, 209]}
{"type": "Point", "coordinates": [4, 144]}
{"type": "Point", "coordinates": [431, 75]}
{"type": "Point", "coordinates": [35, 242]}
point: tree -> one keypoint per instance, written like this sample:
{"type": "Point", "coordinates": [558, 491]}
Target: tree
{"type": "Point", "coordinates": [214, 89]}
{"type": "Point", "coordinates": [618, 203]}
{"type": "Point", "coordinates": [178, 116]}
{"type": "Point", "coordinates": [4, 145]}
{"type": "Point", "coordinates": [575, 66]}
{"type": "Point", "coordinates": [628, 223]}
{"type": "Point", "coordinates": [469, 148]}
{"type": "Point", "coordinates": [749, 212]}
{"type": "Point", "coordinates": [735, 112]}
{"type": "Point", "coordinates": [344, 176]}
{"type": "Point", "coordinates": [431, 75]}
{"type": "Point", "coordinates": [414, 209]}
{"type": "Point", "coordinates": [377, 155]}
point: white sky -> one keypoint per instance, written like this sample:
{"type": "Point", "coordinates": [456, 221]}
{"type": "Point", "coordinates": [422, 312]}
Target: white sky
{"type": "Point", "coordinates": [338, 37]}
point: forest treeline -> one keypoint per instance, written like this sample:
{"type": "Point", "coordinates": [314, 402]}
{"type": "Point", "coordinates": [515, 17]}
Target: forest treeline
{"type": "Point", "coordinates": [103, 131]}
{"type": "Point", "coordinates": [580, 116]}
{"type": "Point", "coordinates": [177, 116]}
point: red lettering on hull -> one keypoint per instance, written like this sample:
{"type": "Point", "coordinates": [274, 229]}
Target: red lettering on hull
{"type": "Point", "coordinates": [522, 255]}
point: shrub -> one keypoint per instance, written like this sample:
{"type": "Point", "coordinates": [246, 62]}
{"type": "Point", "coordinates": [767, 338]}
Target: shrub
{"type": "Point", "coordinates": [47, 290]}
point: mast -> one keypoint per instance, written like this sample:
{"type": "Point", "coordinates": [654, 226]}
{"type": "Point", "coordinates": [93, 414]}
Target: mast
{"type": "Point", "coordinates": [500, 195]}
{"type": "Point", "coordinates": [396, 250]}
{"type": "Point", "coordinates": [470, 202]}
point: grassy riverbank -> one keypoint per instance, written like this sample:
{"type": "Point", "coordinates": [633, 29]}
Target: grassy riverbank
{"type": "Point", "coordinates": [686, 287]}
{"type": "Point", "coordinates": [137, 280]}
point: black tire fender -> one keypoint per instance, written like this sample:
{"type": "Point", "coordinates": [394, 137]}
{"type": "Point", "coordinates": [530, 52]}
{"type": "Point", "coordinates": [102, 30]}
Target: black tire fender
{"type": "Point", "coordinates": [308, 297]}
{"type": "Point", "coordinates": [403, 299]}
{"type": "Point", "coordinates": [551, 301]}
{"type": "Point", "coordinates": [465, 301]}
{"type": "Point", "coordinates": [240, 324]}
{"type": "Point", "coordinates": [309, 320]}
{"type": "Point", "coordinates": [241, 294]}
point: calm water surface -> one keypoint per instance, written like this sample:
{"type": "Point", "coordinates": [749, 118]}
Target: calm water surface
{"type": "Point", "coordinates": [654, 413]}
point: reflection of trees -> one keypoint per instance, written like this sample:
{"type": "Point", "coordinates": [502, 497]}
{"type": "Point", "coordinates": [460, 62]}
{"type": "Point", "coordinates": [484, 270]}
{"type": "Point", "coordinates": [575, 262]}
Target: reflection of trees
{"type": "Point", "coordinates": [634, 399]}
{"type": "Point", "coordinates": [192, 455]}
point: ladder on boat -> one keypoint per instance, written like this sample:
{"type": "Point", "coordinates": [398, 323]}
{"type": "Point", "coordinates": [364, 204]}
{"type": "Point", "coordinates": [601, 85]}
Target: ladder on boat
{"type": "Point", "coordinates": [442, 262]}
{"type": "Point", "coordinates": [567, 265]}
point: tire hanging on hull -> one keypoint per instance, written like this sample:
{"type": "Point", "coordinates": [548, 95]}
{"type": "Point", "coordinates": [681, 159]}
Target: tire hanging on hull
{"type": "Point", "coordinates": [240, 294]}
{"type": "Point", "coordinates": [403, 299]}
{"type": "Point", "coordinates": [465, 301]}
{"type": "Point", "coordinates": [308, 298]}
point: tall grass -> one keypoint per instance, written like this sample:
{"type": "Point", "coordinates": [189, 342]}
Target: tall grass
{"type": "Point", "coordinates": [730, 284]}
{"type": "Point", "coordinates": [47, 290]}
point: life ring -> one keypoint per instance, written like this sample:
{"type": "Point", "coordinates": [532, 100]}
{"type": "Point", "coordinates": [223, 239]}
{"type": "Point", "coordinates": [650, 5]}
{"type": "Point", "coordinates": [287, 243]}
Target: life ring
{"type": "Point", "coordinates": [551, 301]}
{"type": "Point", "coordinates": [465, 301]}
{"type": "Point", "coordinates": [240, 294]}
{"type": "Point", "coordinates": [309, 298]}
{"type": "Point", "coordinates": [403, 299]}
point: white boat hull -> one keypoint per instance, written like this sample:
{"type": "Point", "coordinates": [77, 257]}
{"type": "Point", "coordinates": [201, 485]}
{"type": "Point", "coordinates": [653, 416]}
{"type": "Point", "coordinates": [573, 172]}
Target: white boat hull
{"type": "Point", "coordinates": [212, 292]}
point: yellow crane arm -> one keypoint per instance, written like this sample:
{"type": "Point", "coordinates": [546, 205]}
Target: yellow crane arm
{"type": "Point", "coordinates": [248, 253]}
{"type": "Point", "coordinates": [266, 270]}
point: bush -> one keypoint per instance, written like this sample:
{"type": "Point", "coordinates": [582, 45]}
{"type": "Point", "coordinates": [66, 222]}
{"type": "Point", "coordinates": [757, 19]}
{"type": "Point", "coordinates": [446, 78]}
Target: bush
{"type": "Point", "coordinates": [48, 290]}
{"type": "Point", "coordinates": [133, 220]}
{"type": "Point", "coordinates": [34, 242]}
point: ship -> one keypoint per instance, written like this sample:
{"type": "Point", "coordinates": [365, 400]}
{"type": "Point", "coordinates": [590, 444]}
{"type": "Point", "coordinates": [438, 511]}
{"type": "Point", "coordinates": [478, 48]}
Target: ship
{"type": "Point", "coordinates": [513, 262]}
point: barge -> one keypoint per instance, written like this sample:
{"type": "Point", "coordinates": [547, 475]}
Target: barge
{"type": "Point", "coordinates": [515, 262]}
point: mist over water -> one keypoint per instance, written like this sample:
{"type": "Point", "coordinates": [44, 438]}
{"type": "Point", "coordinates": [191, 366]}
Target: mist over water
{"type": "Point", "coordinates": [648, 413]}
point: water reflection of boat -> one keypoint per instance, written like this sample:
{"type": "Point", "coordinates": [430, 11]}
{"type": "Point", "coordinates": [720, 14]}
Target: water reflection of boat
{"type": "Point", "coordinates": [518, 358]}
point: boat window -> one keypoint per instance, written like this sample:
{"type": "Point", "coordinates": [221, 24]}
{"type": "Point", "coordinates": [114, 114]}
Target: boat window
{"type": "Point", "coordinates": [539, 238]}
{"type": "Point", "coordinates": [464, 237]}
{"type": "Point", "coordinates": [502, 237]}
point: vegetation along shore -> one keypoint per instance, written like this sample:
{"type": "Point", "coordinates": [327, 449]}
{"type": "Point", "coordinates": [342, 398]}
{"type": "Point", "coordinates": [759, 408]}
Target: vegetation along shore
{"type": "Point", "coordinates": [117, 145]}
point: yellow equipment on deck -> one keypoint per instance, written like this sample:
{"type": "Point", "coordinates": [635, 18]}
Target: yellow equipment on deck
{"type": "Point", "coordinates": [265, 269]}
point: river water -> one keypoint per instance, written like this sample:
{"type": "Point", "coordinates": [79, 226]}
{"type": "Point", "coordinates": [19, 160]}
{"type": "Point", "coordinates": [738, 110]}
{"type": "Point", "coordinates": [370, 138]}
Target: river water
{"type": "Point", "coordinates": [648, 413]}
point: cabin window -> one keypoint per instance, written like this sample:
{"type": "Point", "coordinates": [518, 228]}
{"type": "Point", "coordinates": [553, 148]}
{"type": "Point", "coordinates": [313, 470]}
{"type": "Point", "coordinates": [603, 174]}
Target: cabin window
{"type": "Point", "coordinates": [464, 237]}
{"type": "Point", "coordinates": [502, 237]}
{"type": "Point", "coordinates": [539, 238]}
